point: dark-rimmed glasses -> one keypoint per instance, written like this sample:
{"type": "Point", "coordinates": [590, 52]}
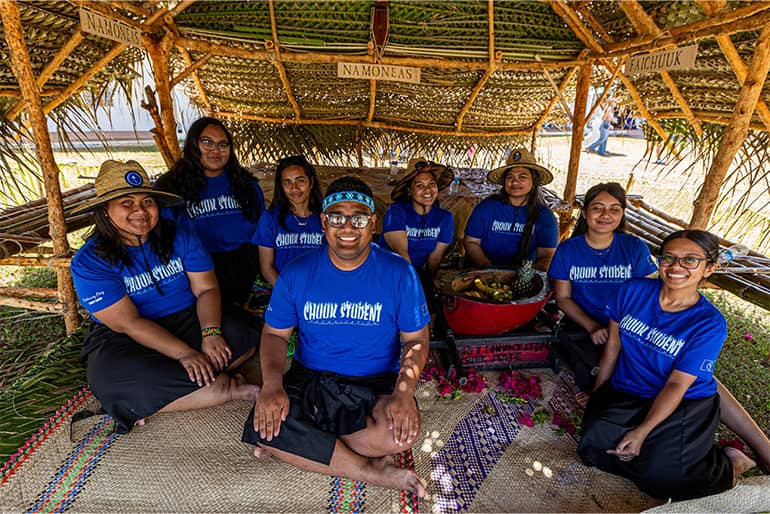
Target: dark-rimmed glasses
{"type": "Point", "coordinates": [356, 220]}
{"type": "Point", "coordinates": [687, 262]}
{"type": "Point", "coordinates": [210, 144]}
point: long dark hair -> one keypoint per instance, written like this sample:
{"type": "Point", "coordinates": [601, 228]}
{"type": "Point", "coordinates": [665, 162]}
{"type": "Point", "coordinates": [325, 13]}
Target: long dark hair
{"type": "Point", "coordinates": [186, 177]}
{"type": "Point", "coordinates": [109, 246]}
{"type": "Point", "coordinates": [705, 240]}
{"type": "Point", "coordinates": [612, 188]}
{"type": "Point", "coordinates": [279, 197]}
{"type": "Point", "coordinates": [533, 209]}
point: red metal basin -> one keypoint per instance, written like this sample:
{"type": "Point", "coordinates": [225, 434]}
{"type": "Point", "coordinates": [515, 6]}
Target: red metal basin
{"type": "Point", "coordinates": [473, 316]}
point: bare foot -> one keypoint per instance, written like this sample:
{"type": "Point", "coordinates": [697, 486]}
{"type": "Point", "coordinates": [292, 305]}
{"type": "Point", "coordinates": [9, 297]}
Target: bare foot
{"type": "Point", "coordinates": [241, 390]}
{"type": "Point", "coordinates": [740, 461]}
{"type": "Point", "coordinates": [261, 453]}
{"type": "Point", "coordinates": [394, 477]}
{"type": "Point", "coordinates": [139, 422]}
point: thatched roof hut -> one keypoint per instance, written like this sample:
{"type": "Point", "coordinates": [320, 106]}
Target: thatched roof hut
{"type": "Point", "coordinates": [491, 73]}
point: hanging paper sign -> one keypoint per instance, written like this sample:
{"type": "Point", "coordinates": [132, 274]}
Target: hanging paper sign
{"type": "Point", "coordinates": [351, 70]}
{"type": "Point", "coordinates": [674, 59]}
{"type": "Point", "coordinates": [99, 25]}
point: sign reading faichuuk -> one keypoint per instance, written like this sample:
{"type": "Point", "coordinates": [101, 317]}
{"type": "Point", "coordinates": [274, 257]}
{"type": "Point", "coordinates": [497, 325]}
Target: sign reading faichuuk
{"type": "Point", "coordinates": [99, 25]}
{"type": "Point", "coordinates": [351, 70]}
{"type": "Point", "coordinates": [674, 59]}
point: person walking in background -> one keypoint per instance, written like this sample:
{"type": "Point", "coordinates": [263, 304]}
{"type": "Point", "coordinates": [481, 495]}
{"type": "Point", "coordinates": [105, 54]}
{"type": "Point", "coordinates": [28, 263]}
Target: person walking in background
{"type": "Point", "coordinates": [222, 202]}
{"type": "Point", "coordinates": [608, 118]}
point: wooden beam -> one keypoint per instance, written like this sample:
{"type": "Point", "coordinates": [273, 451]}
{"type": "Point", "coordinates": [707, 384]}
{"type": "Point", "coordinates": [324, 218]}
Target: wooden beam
{"type": "Point", "coordinates": [33, 292]}
{"type": "Point", "coordinates": [733, 57]}
{"type": "Point", "coordinates": [49, 70]}
{"type": "Point", "coordinates": [373, 124]}
{"type": "Point", "coordinates": [735, 133]}
{"type": "Point", "coordinates": [751, 16]}
{"type": "Point", "coordinates": [254, 54]}
{"type": "Point", "coordinates": [605, 91]}
{"type": "Point", "coordinates": [159, 52]}
{"type": "Point", "coordinates": [644, 24]}
{"type": "Point", "coordinates": [581, 99]}
{"type": "Point", "coordinates": [494, 61]}
{"type": "Point", "coordinates": [51, 262]}
{"type": "Point", "coordinates": [719, 118]}
{"type": "Point", "coordinates": [372, 84]}
{"type": "Point", "coordinates": [555, 98]}
{"type": "Point", "coordinates": [574, 22]}
{"type": "Point", "coordinates": [22, 69]}
{"type": "Point", "coordinates": [191, 66]}
{"type": "Point", "coordinates": [274, 51]}
{"type": "Point", "coordinates": [34, 305]}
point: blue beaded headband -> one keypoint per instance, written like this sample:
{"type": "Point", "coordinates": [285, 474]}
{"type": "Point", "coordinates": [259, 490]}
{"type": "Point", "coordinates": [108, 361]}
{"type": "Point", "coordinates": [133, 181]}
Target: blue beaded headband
{"type": "Point", "coordinates": [348, 196]}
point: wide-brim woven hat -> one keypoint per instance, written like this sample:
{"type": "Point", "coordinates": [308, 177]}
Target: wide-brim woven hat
{"type": "Point", "coordinates": [414, 167]}
{"type": "Point", "coordinates": [520, 158]}
{"type": "Point", "coordinates": [117, 179]}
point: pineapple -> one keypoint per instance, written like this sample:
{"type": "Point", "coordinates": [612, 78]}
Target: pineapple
{"type": "Point", "coordinates": [524, 286]}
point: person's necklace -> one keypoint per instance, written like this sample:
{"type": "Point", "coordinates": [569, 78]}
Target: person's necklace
{"type": "Point", "coordinates": [300, 223]}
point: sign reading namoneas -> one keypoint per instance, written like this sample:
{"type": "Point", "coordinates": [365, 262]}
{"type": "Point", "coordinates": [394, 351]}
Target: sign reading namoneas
{"type": "Point", "coordinates": [99, 25]}
{"type": "Point", "coordinates": [674, 59]}
{"type": "Point", "coordinates": [351, 70]}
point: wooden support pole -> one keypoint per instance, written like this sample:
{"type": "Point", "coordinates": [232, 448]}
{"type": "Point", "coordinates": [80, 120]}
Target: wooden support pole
{"type": "Point", "coordinates": [581, 99]}
{"type": "Point", "coordinates": [159, 52]}
{"type": "Point", "coordinates": [605, 91]}
{"type": "Point", "coordinates": [274, 50]}
{"type": "Point", "coordinates": [49, 70]}
{"type": "Point", "coordinates": [191, 67]}
{"type": "Point", "coordinates": [555, 98]}
{"type": "Point", "coordinates": [31, 292]}
{"type": "Point", "coordinates": [22, 69]}
{"type": "Point", "coordinates": [372, 85]}
{"type": "Point", "coordinates": [372, 124]}
{"type": "Point", "coordinates": [35, 305]}
{"type": "Point", "coordinates": [735, 133]}
{"type": "Point", "coordinates": [151, 106]}
{"type": "Point", "coordinates": [533, 141]}
{"type": "Point", "coordinates": [719, 118]}
{"type": "Point", "coordinates": [573, 21]}
{"type": "Point", "coordinates": [53, 262]}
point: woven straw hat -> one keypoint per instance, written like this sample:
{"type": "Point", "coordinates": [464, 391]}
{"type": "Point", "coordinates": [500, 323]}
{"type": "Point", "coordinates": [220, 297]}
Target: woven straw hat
{"type": "Point", "coordinates": [520, 158]}
{"type": "Point", "coordinates": [117, 179]}
{"type": "Point", "coordinates": [414, 167]}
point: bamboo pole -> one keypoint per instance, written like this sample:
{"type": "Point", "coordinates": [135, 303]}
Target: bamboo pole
{"type": "Point", "coordinates": [644, 24]}
{"type": "Point", "coordinates": [50, 262]}
{"type": "Point", "coordinates": [562, 86]}
{"type": "Point", "coordinates": [605, 91]}
{"type": "Point", "coordinates": [159, 52]}
{"type": "Point", "coordinates": [254, 54]}
{"type": "Point", "coordinates": [735, 133]}
{"type": "Point", "coordinates": [33, 305]}
{"type": "Point", "coordinates": [373, 124]}
{"type": "Point", "coordinates": [33, 292]}
{"type": "Point", "coordinates": [274, 51]}
{"type": "Point", "coordinates": [556, 90]}
{"type": "Point", "coordinates": [49, 70]}
{"type": "Point", "coordinates": [581, 99]}
{"type": "Point", "coordinates": [22, 69]}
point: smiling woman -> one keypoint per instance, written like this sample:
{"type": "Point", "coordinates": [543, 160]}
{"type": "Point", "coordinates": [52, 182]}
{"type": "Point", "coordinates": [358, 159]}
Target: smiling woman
{"type": "Point", "coordinates": [223, 203]}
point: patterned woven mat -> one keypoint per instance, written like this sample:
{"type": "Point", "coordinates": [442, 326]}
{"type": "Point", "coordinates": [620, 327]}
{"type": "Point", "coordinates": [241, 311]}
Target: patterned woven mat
{"type": "Point", "coordinates": [473, 453]}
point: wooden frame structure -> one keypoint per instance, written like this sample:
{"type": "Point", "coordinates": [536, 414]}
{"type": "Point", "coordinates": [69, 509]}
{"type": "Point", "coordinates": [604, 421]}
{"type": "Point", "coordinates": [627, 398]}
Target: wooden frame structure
{"type": "Point", "coordinates": [181, 55]}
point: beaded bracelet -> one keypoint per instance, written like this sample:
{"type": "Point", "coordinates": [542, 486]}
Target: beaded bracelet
{"type": "Point", "coordinates": [211, 331]}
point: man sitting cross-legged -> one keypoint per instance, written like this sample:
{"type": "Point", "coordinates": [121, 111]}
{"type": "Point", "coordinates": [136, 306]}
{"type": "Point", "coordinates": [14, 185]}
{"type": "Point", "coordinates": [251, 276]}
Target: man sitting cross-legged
{"type": "Point", "coordinates": [347, 403]}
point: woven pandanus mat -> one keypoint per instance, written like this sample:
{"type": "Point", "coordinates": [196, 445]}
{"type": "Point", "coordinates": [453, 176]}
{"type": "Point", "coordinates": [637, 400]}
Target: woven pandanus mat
{"type": "Point", "coordinates": [473, 453]}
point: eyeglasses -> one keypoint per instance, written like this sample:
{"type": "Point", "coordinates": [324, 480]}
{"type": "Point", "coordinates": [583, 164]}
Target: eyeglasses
{"type": "Point", "coordinates": [687, 262]}
{"type": "Point", "coordinates": [210, 144]}
{"type": "Point", "coordinates": [356, 220]}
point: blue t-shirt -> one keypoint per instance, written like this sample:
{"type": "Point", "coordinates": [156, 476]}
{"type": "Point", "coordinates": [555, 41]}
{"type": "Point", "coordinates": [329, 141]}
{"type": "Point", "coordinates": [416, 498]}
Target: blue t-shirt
{"type": "Point", "coordinates": [422, 231]}
{"type": "Point", "coordinates": [500, 225]}
{"type": "Point", "coordinates": [349, 321]}
{"type": "Point", "coordinates": [218, 219]}
{"type": "Point", "coordinates": [291, 243]}
{"type": "Point", "coordinates": [655, 342]}
{"type": "Point", "coordinates": [595, 275]}
{"type": "Point", "coordinates": [100, 284]}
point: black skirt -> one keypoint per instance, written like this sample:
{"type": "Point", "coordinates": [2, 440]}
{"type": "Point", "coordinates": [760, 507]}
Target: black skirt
{"type": "Point", "coordinates": [132, 381]}
{"type": "Point", "coordinates": [322, 407]}
{"type": "Point", "coordinates": [579, 353]}
{"type": "Point", "coordinates": [236, 271]}
{"type": "Point", "coordinates": [678, 459]}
